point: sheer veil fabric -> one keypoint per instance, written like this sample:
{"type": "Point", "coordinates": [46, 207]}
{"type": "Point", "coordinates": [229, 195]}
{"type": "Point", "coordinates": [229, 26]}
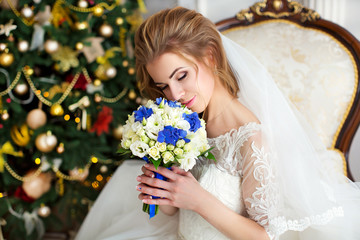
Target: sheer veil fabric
{"type": "Point", "coordinates": [309, 201]}
{"type": "Point", "coordinates": [305, 199]}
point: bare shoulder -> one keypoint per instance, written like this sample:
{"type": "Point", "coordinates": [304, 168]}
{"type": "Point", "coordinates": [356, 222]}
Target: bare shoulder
{"type": "Point", "coordinates": [241, 115]}
{"type": "Point", "coordinates": [234, 117]}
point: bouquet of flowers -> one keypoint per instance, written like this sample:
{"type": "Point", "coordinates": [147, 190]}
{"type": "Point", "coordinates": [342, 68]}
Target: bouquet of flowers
{"type": "Point", "coordinates": [165, 133]}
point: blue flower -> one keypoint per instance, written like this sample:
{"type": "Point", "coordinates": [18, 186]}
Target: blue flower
{"type": "Point", "coordinates": [171, 135]}
{"type": "Point", "coordinates": [194, 121]}
{"type": "Point", "coordinates": [174, 104]}
{"type": "Point", "coordinates": [159, 100]}
{"type": "Point", "coordinates": [142, 113]}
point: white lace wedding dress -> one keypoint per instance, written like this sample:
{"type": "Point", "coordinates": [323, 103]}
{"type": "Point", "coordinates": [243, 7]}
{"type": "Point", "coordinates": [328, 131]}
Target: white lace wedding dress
{"type": "Point", "coordinates": [243, 163]}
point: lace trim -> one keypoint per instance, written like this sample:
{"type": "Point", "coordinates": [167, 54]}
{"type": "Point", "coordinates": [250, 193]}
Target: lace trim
{"type": "Point", "coordinates": [265, 198]}
{"type": "Point", "coordinates": [227, 148]}
{"type": "Point", "coordinates": [279, 225]}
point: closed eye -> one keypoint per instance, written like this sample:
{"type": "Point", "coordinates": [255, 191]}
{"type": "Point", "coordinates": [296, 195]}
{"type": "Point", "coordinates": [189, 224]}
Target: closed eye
{"type": "Point", "coordinates": [183, 76]}
{"type": "Point", "coordinates": [163, 88]}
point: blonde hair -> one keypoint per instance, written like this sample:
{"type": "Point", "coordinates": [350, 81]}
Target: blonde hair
{"type": "Point", "coordinates": [183, 32]}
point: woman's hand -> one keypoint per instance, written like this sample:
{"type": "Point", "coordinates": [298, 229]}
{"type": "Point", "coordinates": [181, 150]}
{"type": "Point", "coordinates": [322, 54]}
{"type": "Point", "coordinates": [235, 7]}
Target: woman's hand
{"type": "Point", "coordinates": [180, 190]}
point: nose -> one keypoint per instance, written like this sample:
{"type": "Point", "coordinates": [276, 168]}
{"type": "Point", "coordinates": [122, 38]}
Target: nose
{"type": "Point", "coordinates": [176, 92]}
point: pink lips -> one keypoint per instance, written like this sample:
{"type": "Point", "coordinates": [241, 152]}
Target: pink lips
{"type": "Point", "coordinates": [190, 103]}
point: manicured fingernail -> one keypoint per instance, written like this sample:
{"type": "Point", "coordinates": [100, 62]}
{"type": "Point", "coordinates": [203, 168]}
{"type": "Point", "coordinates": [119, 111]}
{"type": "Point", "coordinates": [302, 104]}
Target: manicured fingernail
{"type": "Point", "coordinates": [147, 165]}
{"type": "Point", "coordinates": [138, 188]}
{"type": "Point", "coordinates": [138, 178]}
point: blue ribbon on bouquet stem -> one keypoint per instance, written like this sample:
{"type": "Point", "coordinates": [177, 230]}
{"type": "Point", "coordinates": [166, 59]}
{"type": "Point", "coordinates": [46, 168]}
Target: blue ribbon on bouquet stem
{"type": "Point", "coordinates": [152, 207]}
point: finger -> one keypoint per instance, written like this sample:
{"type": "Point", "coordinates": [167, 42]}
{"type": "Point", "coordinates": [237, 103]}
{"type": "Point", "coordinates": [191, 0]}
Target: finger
{"type": "Point", "coordinates": [147, 172]}
{"type": "Point", "coordinates": [142, 196]}
{"type": "Point", "coordinates": [153, 182]}
{"type": "Point", "coordinates": [163, 171]}
{"type": "Point", "coordinates": [157, 192]}
{"type": "Point", "coordinates": [179, 171]}
{"type": "Point", "coordinates": [158, 201]}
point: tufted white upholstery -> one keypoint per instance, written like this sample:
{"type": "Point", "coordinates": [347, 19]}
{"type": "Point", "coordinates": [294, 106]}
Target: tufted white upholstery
{"type": "Point", "coordinates": [313, 69]}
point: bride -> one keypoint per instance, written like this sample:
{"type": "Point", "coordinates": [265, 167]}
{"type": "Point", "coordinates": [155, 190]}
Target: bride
{"type": "Point", "coordinates": [268, 181]}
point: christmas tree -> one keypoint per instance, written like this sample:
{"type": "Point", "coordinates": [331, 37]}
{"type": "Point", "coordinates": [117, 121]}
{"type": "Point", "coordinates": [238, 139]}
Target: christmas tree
{"type": "Point", "coordinates": [67, 83]}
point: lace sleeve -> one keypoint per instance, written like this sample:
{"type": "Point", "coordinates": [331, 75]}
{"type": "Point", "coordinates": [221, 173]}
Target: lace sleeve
{"type": "Point", "coordinates": [258, 186]}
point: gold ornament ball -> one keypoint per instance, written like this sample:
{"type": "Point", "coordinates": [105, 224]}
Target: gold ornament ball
{"type": "Point", "coordinates": [106, 30]}
{"type": "Point", "coordinates": [44, 211]}
{"type": "Point", "coordinates": [21, 88]}
{"type": "Point", "coordinates": [98, 11]}
{"type": "Point", "coordinates": [23, 46]}
{"type": "Point", "coordinates": [45, 142]}
{"type": "Point", "coordinates": [110, 72]}
{"type": "Point", "coordinates": [118, 132]}
{"type": "Point", "coordinates": [5, 115]}
{"type": "Point", "coordinates": [2, 46]}
{"type": "Point", "coordinates": [36, 118]}
{"type": "Point", "coordinates": [79, 174]}
{"type": "Point", "coordinates": [97, 98]}
{"type": "Point", "coordinates": [60, 149]}
{"type": "Point", "coordinates": [29, 71]}
{"type": "Point", "coordinates": [131, 71]}
{"type": "Point", "coordinates": [97, 82]}
{"type": "Point", "coordinates": [138, 100]}
{"type": "Point", "coordinates": [51, 46]}
{"type": "Point", "coordinates": [119, 21]}
{"type": "Point", "coordinates": [81, 25]}
{"type": "Point", "coordinates": [82, 4]}
{"type": "Point", "coordinates": [79, 46]}
{"type": "Point", "coordinates": [38, 185]}
{"type": "Point", "coordinates": [56, 110]}
{"type": "Point", "coordinates": [132, 94]}
{"type": "Point", "coordinates": [103, 169]}
{"type": "Point", "coordinates": [27, 12]}
{"type": "Point", "coordinates": [6, 59]}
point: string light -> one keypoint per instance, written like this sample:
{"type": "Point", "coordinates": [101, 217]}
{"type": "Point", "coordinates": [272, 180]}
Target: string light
{"type": "Point", "coordinates": [37, 161]}
{"type": "Point", "coordinates": [99, 178]}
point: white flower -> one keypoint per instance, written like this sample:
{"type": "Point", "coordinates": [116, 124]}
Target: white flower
{"type": "Point", "coordinates": [167, 157]}
{"type": "Point", "coordinates": [154, 153]}
{"type": "Point", "coordinates": [187, 163]}
{"type": "Point", "coordinates": [180, 143]}
{"type": "Point", "coordinates": [126, 143]}
{"type": "Point", "coordinates": [161, 146]}
{"type": "Point", "coordinates": [139, 148]}
{"type": "Point", "coordinates": [178, 152]}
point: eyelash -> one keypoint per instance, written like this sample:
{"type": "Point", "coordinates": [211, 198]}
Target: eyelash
{"type": "Point", "coordinates": [179, 79]}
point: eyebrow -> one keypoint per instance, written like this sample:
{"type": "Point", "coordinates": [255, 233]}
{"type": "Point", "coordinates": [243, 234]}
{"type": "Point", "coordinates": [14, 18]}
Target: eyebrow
{"type": "Point", "coordinates": [172, 74]}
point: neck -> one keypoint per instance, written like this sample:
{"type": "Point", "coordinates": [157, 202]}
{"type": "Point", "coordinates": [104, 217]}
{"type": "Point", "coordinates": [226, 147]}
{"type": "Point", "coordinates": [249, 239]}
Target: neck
{"type": "Point", "coordinates": [218, 104]}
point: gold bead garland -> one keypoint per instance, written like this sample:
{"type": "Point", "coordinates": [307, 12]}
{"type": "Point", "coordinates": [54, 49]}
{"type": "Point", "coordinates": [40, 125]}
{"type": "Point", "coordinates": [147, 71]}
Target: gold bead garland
{"type": "Point", "coordinates": [114, 99]}
{"type": "Point", "coordinates": [12, 85]}
{"type": "Point", "coordinates": [16, 12]}
{"type": "Point", "coordinates": [44, 100]}
{"type": "Point", "coordinates": [86, 10]}
{"type": "Point", "coordinates": [20, 178]}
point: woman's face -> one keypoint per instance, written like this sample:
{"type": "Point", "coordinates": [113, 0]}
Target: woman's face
{"type": "Point", "coordinates": [179, 80]}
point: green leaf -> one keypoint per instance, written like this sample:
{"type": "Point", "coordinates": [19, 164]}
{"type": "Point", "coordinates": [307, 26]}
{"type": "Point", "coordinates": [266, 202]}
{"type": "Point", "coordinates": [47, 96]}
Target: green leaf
{"type": "Point", "coordinates": [123, 151]}
{"type": "Point", "coordinates": [211, 156]}
{"type": "Point", "coordinates": [156, 162]}
{"type": "Point", "coordinates": [208, 154]}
